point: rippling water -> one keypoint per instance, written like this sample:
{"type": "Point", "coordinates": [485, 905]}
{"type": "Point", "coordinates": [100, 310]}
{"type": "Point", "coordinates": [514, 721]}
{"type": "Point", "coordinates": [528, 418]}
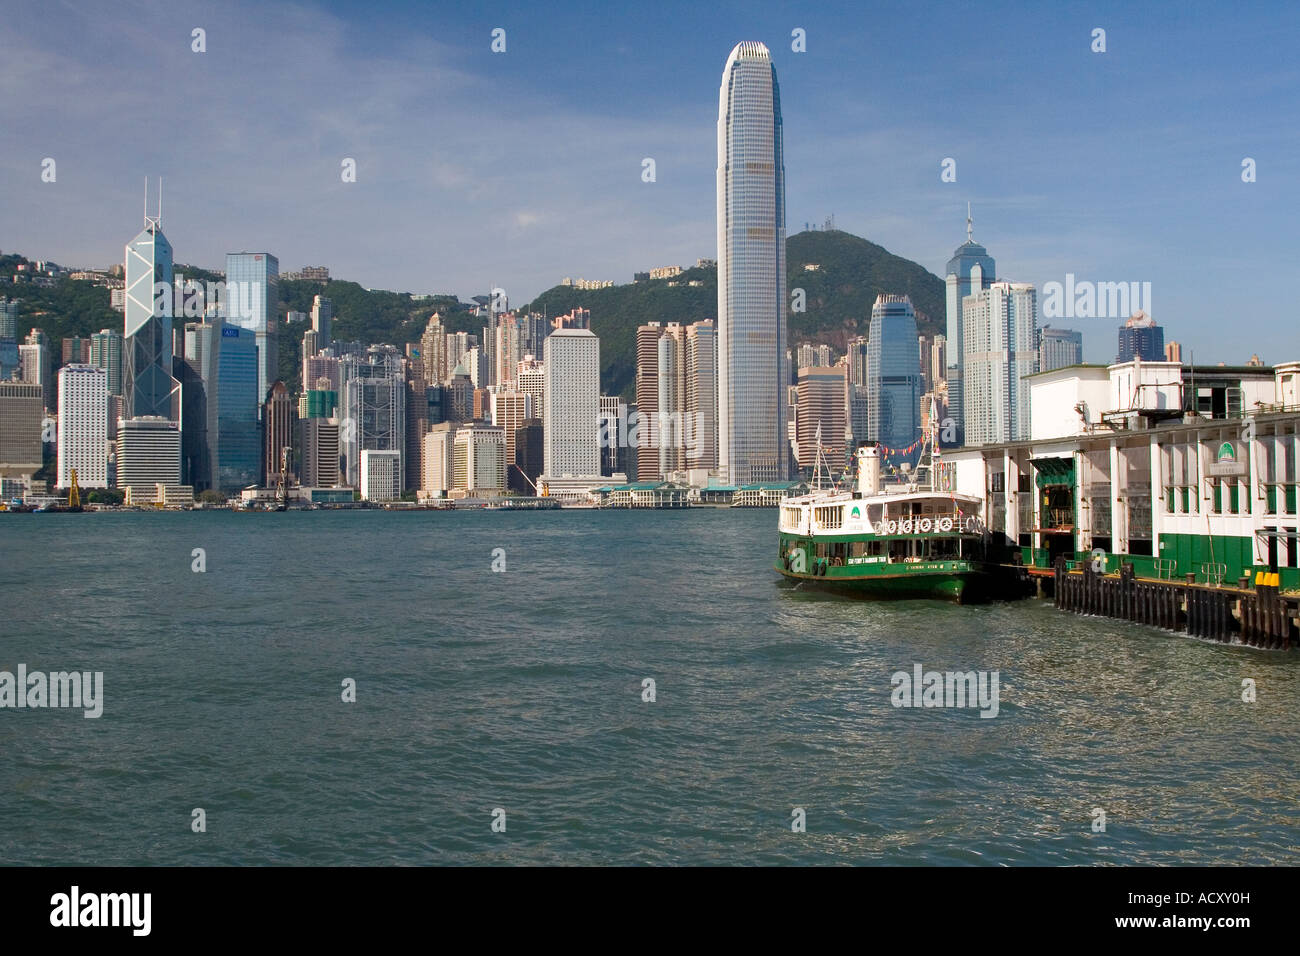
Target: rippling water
{"type": "Point", "coordinates": [478, 690]}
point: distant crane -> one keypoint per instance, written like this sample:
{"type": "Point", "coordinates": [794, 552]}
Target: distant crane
{"type": "Point", "coordinates": [74, 492]}
{"type": "Point", "coordinates": [540, 493]}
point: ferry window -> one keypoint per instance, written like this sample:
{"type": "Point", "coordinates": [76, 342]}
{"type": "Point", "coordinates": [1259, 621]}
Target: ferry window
{"type": "Point", "coordinates": [1022, 483]}
{"type": "Point", "coordinates": [874, 549]}
{"type": "Point", "coordinates": [874, 513]}
{"type": "Point", "coordinates": [857, 549]}
{"type": "Point", "coordinates": [997, 482]}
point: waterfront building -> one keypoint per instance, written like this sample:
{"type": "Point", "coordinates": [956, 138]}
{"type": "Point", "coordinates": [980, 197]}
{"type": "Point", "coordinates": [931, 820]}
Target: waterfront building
{"type": "Point", "coordinates": [381, 475]}
{"type": "Point", "coordinates": [1135, 463]}
{"type": "Point", "coordinates": [479, 461]}
{"type": "Point", "coordinates": [571, 404]}
{"type": "Point", "coordinates": [438, 455]}
{"type": "Point", "coordinates": [752, 368]}
{"type": "Point", "coordinates": [148, 453]}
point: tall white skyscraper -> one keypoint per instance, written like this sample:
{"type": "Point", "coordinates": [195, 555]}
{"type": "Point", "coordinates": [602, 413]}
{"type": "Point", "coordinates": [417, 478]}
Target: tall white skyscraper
{"type": "Point", "coordinates": [969, 270]}
{"type": "Point", "coordinates": [752, 442]}
{"type": "Point", "coordinates": [571, 404]}
{"type": "Point", "coordinates": [83, 426]}
{"type": "Point", "coordinates": [1000, 338]}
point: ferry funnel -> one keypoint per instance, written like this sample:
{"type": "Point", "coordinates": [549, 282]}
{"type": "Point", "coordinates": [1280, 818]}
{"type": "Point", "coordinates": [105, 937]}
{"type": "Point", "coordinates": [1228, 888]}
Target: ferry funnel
{"type": "Point", "coordinates": [869, 470]}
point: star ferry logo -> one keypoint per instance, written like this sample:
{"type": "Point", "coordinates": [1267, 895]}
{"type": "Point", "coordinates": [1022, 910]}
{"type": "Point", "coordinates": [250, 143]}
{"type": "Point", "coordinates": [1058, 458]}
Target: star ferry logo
{"type": "Point", "coordinates": [1227, 454]}
{"type": "Point", "coordinates": [855, 513]}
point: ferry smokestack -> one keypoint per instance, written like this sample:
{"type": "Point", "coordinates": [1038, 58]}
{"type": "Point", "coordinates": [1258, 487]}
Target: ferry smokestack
{"type": "Point", "coordinates": [869, 470]}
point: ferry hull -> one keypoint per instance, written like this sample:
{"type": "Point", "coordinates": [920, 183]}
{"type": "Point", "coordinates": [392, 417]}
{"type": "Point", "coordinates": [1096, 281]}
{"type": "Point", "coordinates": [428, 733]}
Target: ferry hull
{"type": "Point", "coordinates": [957, 586]}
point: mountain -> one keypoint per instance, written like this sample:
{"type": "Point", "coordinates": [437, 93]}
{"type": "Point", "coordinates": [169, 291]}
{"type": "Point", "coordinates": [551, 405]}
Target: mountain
{"type": "Point", "coordinates": [838, 294]}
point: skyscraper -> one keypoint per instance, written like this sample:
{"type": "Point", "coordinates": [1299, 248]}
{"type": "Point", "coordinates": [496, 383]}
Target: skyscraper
{"type": "Point", "coordinates": [822, 418]}
{"type": "Point", "coordinates": [8, 338]}
{"type": "Point", "coordinates": [148, 388]}
{"type": "Point", "coordinates": [702, 394]}
{"type": "Point", "coordinates": [969, 270]}
{"type": "Point", "coordinates": [1140, 337]}
{"type": "Point", "coordinates": [433, 351]}
{"type": "Point", "coordinates": [571, 402]}
{"type": "Point", "coordinates": [1001, 343]}
{"type": "Point", "coordinates": [647, 398]}
{"type": "Point", "coordinates": [894, 374]}
{"type": "Point", "coordinates": [322, 314]}
{"type": "Point", "coordinates": [374, 408]}
{"type": "Point", "coordinates": [238, 459]}
{"type": "Point", "coordinates": [83, 426]}
{"type": "Point", "coordinates": [279, 419]}
{"type": "Point", "coordinates": [752, 441]}
{"type": "Point", "coordinates": [252, 291]}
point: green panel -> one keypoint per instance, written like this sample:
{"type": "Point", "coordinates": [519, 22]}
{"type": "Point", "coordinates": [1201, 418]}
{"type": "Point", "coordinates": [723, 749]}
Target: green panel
{"type": "Point", "coordinates": [1290, 499]}
{"type": "Point", "coordinates": [1234, 497]}
{"type": "Point", "coordinates": [1193, 550]}
{"type": "Point", "coordinates": [1270, 497]}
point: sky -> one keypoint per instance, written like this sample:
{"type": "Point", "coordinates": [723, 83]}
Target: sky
{"type": "Point", "coordinates": [477, 169]}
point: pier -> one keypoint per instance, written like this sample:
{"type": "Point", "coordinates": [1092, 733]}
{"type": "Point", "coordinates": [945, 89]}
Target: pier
{"type": "Point", "coordinates": [1258, 614]}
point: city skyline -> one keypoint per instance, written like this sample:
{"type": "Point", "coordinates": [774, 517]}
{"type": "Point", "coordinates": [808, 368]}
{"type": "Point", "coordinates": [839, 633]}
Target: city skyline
{"type": "Point", "coordinates": [1075, 164]}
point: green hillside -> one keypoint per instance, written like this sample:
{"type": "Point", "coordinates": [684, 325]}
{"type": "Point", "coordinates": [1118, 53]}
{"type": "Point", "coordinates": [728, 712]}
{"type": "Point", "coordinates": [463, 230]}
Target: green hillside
{"type": "Point", "coordinates": [839, 294]}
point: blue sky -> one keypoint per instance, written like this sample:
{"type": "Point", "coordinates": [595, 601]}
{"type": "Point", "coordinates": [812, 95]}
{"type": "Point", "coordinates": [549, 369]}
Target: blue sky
{"type": "Point", "coordinates": [516, 169]}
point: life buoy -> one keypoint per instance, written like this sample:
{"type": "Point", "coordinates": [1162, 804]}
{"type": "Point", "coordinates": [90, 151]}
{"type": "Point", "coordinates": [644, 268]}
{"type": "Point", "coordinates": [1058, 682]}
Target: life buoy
{"type": "Point", "coordinates": [906, 526]}
{"type": "Point", "coordinates": [924, 524]}
{"type": "Point", "coordinates": [891, 527]}
{"type": "Point", "coordinates": [972, 524]}
{"type": "Point", "coordinates": [945, 523]}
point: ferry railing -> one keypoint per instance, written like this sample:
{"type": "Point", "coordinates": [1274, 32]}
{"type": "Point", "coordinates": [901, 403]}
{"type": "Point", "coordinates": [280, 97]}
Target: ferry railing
{"type": "Point", "coordinates": [945, 522]}
{"type": "Point", "coordinates": [1214, 573]}
{"type": "Point", "coordinates": [1166, 568]}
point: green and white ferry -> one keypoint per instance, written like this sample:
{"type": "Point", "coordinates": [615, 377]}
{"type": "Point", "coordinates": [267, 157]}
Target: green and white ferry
{"type": "Point", "coordinates": [898, 540]}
